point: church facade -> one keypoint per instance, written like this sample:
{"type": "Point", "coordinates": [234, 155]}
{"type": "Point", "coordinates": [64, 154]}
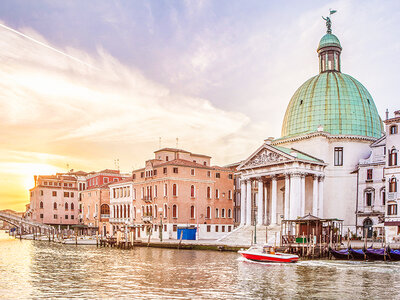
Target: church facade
{"type": "Point", "coordinates": [331, 136]}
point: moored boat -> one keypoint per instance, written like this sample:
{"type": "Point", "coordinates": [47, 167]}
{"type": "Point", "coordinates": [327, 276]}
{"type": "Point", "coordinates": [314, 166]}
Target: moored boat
{"type": "Point", "coordinates": [340, 254]}
{"type": "Point", "coordinates": [357, 254]}
{"type": "Point", "coordinates": [268, 254]}
{"type": "Point", "coordinates": [393, 254]}
{"type": "Point", "coordinates": [376, 254]}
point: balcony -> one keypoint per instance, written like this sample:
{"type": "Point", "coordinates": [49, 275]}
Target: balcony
{"type": "Point", "coordinates": [147, 199]}
{"type": "Point", "coordinates": [392, 196]}
{"type": "Point", "coordinates": [147, 219]}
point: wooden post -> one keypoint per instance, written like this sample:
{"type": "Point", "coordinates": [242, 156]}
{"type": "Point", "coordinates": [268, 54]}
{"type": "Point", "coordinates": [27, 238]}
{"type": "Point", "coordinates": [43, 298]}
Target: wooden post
{"type": "Point", "coordinates": [151, 231]}
{"type": "Point", "coordinates": [180, 240]}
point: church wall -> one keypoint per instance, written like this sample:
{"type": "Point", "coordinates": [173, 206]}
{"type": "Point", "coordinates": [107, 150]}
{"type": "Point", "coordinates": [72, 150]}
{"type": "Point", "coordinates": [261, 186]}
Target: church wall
{"type": "Point", "coordinates": [340, 186]}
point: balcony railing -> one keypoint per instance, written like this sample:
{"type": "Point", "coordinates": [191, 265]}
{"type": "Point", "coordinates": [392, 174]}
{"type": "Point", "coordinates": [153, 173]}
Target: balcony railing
{"type": "Point", "coordinates": [104, 216]}
{"type": "Point", "coordinates": [147, 218]}
{"type": "Point", "coordinates": [147, 198]}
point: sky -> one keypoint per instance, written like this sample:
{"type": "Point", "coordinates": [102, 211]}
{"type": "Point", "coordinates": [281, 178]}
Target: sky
{"type": "Point", "coordinates": [83, 83]}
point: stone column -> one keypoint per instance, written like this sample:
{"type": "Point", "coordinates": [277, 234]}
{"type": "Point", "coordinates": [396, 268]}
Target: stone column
{"type": "Point", "coordinates": [303, 194]}
{"type": "Point", "coordinates": [260, 201]}
{"type": "Point", "coordinates": [265, 204]}
{"type": "Point", "coordinates": [321, 197]}
{"type": "Point", "coordinates": [248, 202]}
{"type": "Point", "coordinates": [315, 196]}
{"type": "Point", "coordinates": [242, 202]}
{"type": "Point", "coordinates": [274, 194]}
{"type": "Point", "coordinates": [287, 196]}
{"type": "Point", "coordinates": [294, 196]}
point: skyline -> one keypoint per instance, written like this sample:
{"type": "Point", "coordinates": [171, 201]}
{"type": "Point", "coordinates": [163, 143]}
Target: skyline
{"type": "Point", "coordinates": [194, 82]}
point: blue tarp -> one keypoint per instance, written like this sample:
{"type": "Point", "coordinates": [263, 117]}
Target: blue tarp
{"type": "Point", "coordinates": [187, 233]}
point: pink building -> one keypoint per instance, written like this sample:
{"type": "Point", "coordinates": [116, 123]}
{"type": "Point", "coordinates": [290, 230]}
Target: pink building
{"type": "Point", "coordinates": [175, 189]}
{"type": "Point", "coordinates": [54, 200]}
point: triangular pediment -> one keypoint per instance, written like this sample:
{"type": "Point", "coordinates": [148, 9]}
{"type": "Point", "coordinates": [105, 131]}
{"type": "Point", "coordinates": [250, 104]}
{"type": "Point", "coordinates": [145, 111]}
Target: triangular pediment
{"type": "Point", "coordinates": [264, 156]}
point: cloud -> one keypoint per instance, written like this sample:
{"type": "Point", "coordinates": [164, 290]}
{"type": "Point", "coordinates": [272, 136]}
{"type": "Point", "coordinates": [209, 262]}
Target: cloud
{"type": "Point", "coordinates": [54, 110]}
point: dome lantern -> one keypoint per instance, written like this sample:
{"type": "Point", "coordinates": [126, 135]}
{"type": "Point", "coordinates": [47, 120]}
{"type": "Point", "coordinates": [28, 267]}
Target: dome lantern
{"type": "Point", "coordinates": [329, 50]}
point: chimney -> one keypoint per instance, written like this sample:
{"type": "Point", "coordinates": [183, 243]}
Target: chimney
{"type": "Point", "coordinates": [35, 178]}
{"type": "Point", "coordinates": [387, 114]}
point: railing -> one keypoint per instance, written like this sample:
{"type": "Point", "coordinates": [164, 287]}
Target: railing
{"type": "Point", "coordinates": [104, 216]}
{"type": "Point", "coordinates": [147, 218]}
{"type": "Point", "coordinates": [147, 198]}
{"type": "Point", "coordinates": [18, 220]}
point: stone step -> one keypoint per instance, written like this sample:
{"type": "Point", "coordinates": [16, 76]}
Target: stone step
{"type": "Point", "coordinates": [244, 235]}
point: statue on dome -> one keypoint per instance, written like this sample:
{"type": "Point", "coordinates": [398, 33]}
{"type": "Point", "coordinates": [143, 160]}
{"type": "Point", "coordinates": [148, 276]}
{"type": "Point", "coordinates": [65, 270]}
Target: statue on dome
{"type": "Point", "coordinates": [328, 21]}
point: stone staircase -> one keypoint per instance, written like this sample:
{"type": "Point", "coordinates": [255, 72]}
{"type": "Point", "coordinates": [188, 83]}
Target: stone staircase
{"type": "Point", "coordinates": [244, 235]}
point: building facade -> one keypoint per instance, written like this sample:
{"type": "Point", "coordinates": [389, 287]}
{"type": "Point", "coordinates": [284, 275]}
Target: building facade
{"type": "Point", "coordinates": [175, 189]}
{"type": "Point", "coordinates": [54, 200]}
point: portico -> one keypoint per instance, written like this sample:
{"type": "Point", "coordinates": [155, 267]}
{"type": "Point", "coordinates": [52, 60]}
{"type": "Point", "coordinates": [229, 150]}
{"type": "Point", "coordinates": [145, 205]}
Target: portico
{"type": "Point", "coordinates": [280, 183]}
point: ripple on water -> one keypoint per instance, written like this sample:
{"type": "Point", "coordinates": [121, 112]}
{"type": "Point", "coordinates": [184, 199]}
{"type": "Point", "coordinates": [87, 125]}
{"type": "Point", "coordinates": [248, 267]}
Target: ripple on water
{"type": "Point", "coordinates": [33, 269]}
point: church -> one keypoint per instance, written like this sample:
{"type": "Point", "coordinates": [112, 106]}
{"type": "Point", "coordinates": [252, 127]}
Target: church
{"type": "Point", "coordinates": [330, 130]}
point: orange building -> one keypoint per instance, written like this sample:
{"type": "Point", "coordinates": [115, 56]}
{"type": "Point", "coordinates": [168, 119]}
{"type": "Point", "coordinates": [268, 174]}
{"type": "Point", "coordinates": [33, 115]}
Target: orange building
{"type": "Point", "coordinates": [175, 189]}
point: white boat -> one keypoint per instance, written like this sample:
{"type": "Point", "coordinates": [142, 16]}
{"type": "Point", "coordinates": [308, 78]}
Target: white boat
{"type": "Point", "coordinates": [267, 254]}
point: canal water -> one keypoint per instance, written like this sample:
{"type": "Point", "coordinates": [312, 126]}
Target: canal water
{"type": "Point", "coordinates": [38, 269]}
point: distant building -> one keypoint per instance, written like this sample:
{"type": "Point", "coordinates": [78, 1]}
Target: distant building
{"type": "Point", "coordinates": [175, 189]}
{"type": "Point", "coordinates": [94, 200]}
{"type": "Point", "coordinates": [54, 200]}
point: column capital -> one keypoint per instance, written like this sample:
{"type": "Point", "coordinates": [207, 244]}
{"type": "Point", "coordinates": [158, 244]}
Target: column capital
{"type": "Point", "coordinates": [321, 178]}
{"type": "Point", "coordinates": [295, 174]}
{"type": "Point", "coordinates": [259, 178]}
{"type": "Point", "coordinates": [274, 177]}
{"type": "Point", "coordinates": [287, 175]}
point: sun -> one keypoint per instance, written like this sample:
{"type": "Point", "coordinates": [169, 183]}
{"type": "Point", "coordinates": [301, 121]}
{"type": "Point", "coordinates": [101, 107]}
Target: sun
{"type": "Point", "coordinates": [31, 169]}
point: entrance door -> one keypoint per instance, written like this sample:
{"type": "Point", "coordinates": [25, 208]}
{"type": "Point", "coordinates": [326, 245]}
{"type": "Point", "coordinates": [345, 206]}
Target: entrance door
{"type": "Point", "coordinates": [368, 227]}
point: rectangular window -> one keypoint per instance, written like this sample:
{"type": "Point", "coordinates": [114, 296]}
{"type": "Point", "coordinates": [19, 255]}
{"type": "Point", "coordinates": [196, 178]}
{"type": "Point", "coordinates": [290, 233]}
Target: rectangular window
{"type": "Point", "coordinates": [208, 173]}
{"type": "Point", "coordinates": [41, 193]}
{"type": "Point", "coordinates": [41, 216]}
{"type": "Point", "coordinates": [66, 194]}
{"type": "Point", "coordinates": [55, 217]}
{"type": "Point", "coordinates": [229, 228]}
{"type": "Point", "coordinates": [54, 193]}
{"type": "Point", "coordinates": [134, 176]}
{"type": "Point", "coordinates": [217, 175]}
{"type": "Point", "coordinates": [141, 174]}
{"type": "Point", "coordinates": [65, 185]}
{"type": "Point", "coordinates": [369, 199]}
{"type": "Point", "coordinates": [174, 228]}
{"type": "Point", "coordinates": [66, 217]}
{"type": "Point", "coordinates": [71, 194]}
{"type": "Point", "coordinates": [338, 156]}
{"type": "Point", "coordinates": [165, 227]}
{"type": "Point", "coordinates": [165, 170]}
{"type": "Point", "coordinates": [155, 172]}
{"type": "Point", "coordinates": [175, 170]}
{"type": "Point", "coordinates": [223, 228]}
{"type": "Point", "coordinates": [369, 174]}
{"type": "Point", "coordinates": [72, 217]}
{"type": "Point", "coordinates": [205, 163]}
{"type": "Point", "coordinates": [216, 228]}
{"type": "Point", "coordinates": [105, 179]}
{"type": "Point", "coordinates": [192, 172]}
{"type": "Point", "coordinates": [208, 228]}
{"type": "Point", "coordinates": [230, 176]}
{"type": "Point", "coordinates": [392, 209]}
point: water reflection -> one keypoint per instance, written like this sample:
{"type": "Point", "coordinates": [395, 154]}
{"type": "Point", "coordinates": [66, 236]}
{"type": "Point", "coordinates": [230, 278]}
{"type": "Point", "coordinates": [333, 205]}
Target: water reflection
{"type": "Point", "coordinates": [32, 269]}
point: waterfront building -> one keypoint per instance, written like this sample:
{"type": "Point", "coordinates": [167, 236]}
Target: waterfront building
{"type": "Point", "coordinates": [54, 200]}
{"type": "Point", "coordinates": [392, 178]}
{"type": "Point", "coordinates": [176, 189]}
{"type": "Point", "coordinates": [331, 123]}
{"type": "Point", "coordinates": [94, 200]}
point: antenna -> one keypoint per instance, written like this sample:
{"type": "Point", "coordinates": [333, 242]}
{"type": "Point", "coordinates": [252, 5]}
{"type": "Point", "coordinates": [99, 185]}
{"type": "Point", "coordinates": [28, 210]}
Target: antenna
{"type": "Point", "coordinates": [67, 167]}
{"type": "Point", "coordinates": [159, 142]}
{"type": "Point", "coordinates": [116, 163]}
{"type": "Point", "coordinates": [177, 142]}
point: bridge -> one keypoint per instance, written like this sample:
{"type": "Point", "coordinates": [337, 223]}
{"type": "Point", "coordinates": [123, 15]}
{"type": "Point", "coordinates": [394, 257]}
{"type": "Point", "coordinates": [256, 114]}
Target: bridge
{"type": "Point", "coordinates": [25, 226]}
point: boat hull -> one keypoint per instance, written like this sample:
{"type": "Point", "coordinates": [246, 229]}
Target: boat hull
{"type": "Point", "coordinates": [264, 257]}
{"type": "Point", "coordinates": [340, 254]}
{"type": "Point", "coordinates": [357, 254]}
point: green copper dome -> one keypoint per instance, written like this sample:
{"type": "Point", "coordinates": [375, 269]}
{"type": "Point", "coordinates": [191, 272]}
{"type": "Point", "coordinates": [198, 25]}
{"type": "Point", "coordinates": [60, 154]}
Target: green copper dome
{"type": "Point", "coordinates": [332, 102]}
{"type": "Point", "coordinates": [329, 40]}
{"type": "Point", "coordinates": [335, 101]}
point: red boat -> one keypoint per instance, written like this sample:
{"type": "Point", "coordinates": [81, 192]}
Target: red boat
{"type": "Point", "coordinates": [268, 254]}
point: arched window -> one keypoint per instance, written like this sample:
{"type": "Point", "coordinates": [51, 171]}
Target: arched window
{"type": "Point", "coordinates": [208, 192]}
{"type": "Point", "coordinates": [393, 129]}
{"type": "Point", "coordinates": [216, 213]}
{"type": "Point", "coordinates": [216, 194]}
{"type": "Point", "coordinates": [393, 157]}
{"type": "Point", "coordinates": [155, 211]}
{"type": "Point", "coordinates": [72, 206]}
{"type": "Point", "coordinates": [124, 211]}
{"type": "Point", "coordinates": [174, 211]}
{"type": "Point", "coordinates": [118, 211]}
{"type": "Point", "coordinates": [165, 190]}
{"type": "Point", "coordinates": [192, 191]}
{"type": "Point", "coordinates": [41, 204]}
{"type": "Point", "coordinates": [192, 212]}
{"type": "Point", "coordinates": [223, 213]}
{"type": "Point", "coordinates": [229, 213]}
{"type": "Point", "coordinates": [66, 205]}
{"type": "Point", "coordinates": [383, 196]}
{"type": "Point", "coordinates": [369, 196]}
{"type": "Point", "coordinates": [174, 190]}
{"type": "Point", "coordinates": [115, 212]}
{"type": "Point", "coordinates": [392, 209]}
{"type": "Point", "coordinates": [129, 211]}
{"type": "Point", "coordinates": [104, 209]}
{"type": "Point", "coordinates": [150, 210]}
{"type": "Point", "coordinates": [134, 212]}
{"type": "Point", "coordinates": [393, 185]}
{"type": "Point", "coordinates": [165, 211]}
{"type": "Point", "coordinates": [55, 205]}
{"type": "Point", "coordinates": [208, 214]}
